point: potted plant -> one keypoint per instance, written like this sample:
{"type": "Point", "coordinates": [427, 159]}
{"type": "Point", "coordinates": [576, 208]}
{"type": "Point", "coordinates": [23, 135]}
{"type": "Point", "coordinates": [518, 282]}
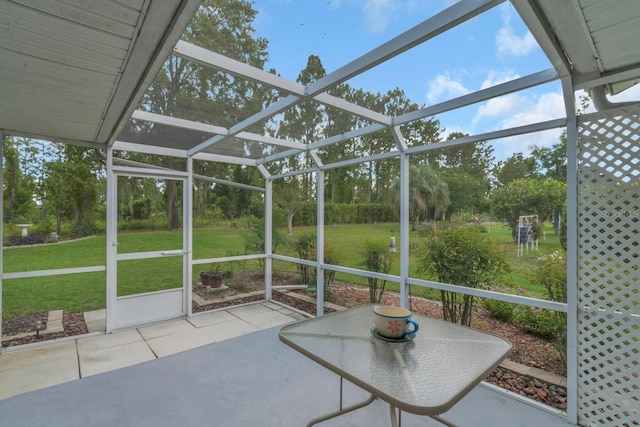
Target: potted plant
{"type": "Point", "coordinates": [213, 277]}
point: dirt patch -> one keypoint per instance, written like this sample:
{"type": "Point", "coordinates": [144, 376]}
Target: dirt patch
{"type": "Point", "coordinates": [73, 324]}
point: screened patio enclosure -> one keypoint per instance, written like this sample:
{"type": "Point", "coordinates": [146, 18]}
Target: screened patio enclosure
{"type": "Point", "coordinates": [77, 75]}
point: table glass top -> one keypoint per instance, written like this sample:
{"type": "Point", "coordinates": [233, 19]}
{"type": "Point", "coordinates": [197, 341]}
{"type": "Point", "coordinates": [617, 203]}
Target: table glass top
{"type": "Point", "coordinates": [426, 375]}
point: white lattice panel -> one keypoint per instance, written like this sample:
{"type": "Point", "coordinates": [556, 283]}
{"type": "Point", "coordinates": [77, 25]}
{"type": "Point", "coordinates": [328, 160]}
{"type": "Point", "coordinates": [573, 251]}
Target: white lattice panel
{"type": "Point", "coordinates": [609, 268]}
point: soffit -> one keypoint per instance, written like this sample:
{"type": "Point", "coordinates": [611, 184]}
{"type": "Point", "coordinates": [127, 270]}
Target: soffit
{"type": "Point", "coordinates": [72, 71]}
{"type": "Point", "coordinates": [598, 37]}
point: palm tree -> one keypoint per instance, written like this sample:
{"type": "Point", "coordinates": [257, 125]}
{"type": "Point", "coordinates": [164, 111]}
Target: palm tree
{"type": "Point", "coordinates": [426, 192]}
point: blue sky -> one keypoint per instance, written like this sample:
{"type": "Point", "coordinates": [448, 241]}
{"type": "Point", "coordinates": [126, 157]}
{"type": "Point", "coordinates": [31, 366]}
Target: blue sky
{"type": "Point", "coordinates": [487, 50]}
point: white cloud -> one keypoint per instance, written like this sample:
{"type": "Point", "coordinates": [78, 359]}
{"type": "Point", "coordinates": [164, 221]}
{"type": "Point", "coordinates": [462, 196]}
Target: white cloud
{"type": "Point", "coordinates": [499, 107]}
{"type": "Point", "coordinates": [510, 43]}
{"type": "Point", "coordinates": [547, 106]}
{"type": "Point", "coordinates": [495, 77]}
{"type": "Point", "coordinates": [444, 87]}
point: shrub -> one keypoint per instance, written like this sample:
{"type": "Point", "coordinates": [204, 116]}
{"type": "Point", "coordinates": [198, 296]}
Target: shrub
{"type": "Point", "coordinates": [31, 239]}
{"type": "Point", "coordinates": [551, 272]}
{"type": "Point", "coordinates": [329, 275]}
{"type": "Point", "coordinates": [377, 259]}
{"type": "Point", "coordinates": [305, 245]}
{"type": "Point", "coordinates": [463, 256]}
{"type": "Point", "coordinates": [254, 243]}
{"type": "Point", "coordinates": [540, 322]}
{"type": "Point", "coordinates": [82, 229]}
{"type": "Point", "coordinates": [502, 310]}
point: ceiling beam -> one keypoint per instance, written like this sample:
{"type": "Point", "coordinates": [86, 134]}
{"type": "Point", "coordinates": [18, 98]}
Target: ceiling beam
{"type": "Point", "coordinates": [541, 30]}
{"type": "Point", "coordinates": [506, 88]}
{"type": "Point", "coordinates": [432, 27]}
{"type": "Point", "coordinates": [218, 130]}
{"type": "Point", "coordinates": [158, 34]}
{"type": "Point", "coordinates": [589, 82]}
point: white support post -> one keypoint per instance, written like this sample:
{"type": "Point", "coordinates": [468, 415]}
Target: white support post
{"type": "Point", "coordinates": [187, 238]}
{"type": "Point", "coordinates": [1, 223]}
{"type": "Point", "coordinates": [268, 238]}
{"type": "Point", "coordinates": [572, 261]}
{"type": "Point", "coordinates": [320, 244]}
{"type": "Point", "coordinates": [404, 229]}
{"type": "Point", "coordinates": [112, 242]}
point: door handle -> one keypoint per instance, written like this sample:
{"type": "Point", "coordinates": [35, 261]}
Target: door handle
{"type": "Point", "coordinates": [170, 253]}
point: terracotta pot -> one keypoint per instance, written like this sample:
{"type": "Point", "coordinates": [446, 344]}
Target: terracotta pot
{"type": "Point", "coordinates": [212, 280]}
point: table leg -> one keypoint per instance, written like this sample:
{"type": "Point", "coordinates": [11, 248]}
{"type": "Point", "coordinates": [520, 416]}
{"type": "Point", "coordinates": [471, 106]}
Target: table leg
{"type": "Point", "coordinates": [341, 410]}
{"type": "Point", "coordinates": [395, 421]}
{"type": "Point", "coordinates": [443, 421]}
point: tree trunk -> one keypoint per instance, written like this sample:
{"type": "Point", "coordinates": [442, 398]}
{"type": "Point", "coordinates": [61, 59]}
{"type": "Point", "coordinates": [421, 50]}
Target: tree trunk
{"type": "Point", "coordinates": [416, 223]}
{"type": "Point", "coordinates": [172, 206]}
{"type": "Point", "coordinates": [59, 222]}
{"type": "Point", "coordinates": [12, 204]}
{"type": "Point", "coordinates": [289, 224]}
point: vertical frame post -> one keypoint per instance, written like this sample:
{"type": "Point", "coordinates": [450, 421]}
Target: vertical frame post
{"type": "Point", "coordinates": [1, 224]}
{"type": "Point", "coordinates": [404, 229]}
{"type": "Point", "coordinates": [187, 238]}
{"type": "Point", "coordinates": [320, 243]}
{"type": "Point", "coordinates": [268, 238]}
{"type": "Point", "coordinates": [112, 242]}
{"type": "Point", "coordinates": [572, 251]}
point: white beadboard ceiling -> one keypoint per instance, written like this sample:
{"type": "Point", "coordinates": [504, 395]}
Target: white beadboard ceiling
{"type": "Point", "coordinates": [73, 70]}
{"type": "Point", "coordinates": [600, 39]}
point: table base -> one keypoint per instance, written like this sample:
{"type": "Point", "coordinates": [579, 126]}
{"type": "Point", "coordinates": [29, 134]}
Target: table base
{"type": "Point", "coordinates": [396, 419]}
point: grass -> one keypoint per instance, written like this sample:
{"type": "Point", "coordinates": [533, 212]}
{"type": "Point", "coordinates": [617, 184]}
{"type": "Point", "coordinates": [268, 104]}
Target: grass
{"type": "Point", "coordinates": [86, 291]}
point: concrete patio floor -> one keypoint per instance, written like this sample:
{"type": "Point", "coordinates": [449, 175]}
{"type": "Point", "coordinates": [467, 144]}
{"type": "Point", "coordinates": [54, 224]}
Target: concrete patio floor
{"type": "Point", "coordinates": [250, 380]}
{"type": "Point", "coordinates": [46, 364]}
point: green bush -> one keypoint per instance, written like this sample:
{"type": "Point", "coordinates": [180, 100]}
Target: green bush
{"type": "Point", "coordinates": [341, 213]}
{"type": "Point", "coordinates": [329, 275]}
{"type": "Point", "coordinates": [377, 259]}
{"type": "Point", "coordinates": [550, 272]}
{"type": "Point", "coordinates": [159, 222]}
{"type": "Point", "coordinates": [82, 229]}
{"type": "Point", "coordinates": [502, 310]}
{"type": "Point", "coordinates": [305, 245]}
{"type": "Point", "coordinates": [541, 322]}
{"type": "Point", "coordinates": [464, 256]}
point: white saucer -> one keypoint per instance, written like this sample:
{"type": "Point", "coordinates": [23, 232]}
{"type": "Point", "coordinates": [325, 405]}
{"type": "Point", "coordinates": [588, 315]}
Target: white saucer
{"type": "Point", "coordinates": [408, 338]}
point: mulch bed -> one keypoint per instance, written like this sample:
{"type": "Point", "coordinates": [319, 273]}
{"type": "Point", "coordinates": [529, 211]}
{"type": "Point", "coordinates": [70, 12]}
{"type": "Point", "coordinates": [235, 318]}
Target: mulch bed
{"type": "Point", "coordinates": [533, 388]}
{"type": "Point", "coordinates": [527, 349]}
{"type": "Point", "coordinates": [73, 324]}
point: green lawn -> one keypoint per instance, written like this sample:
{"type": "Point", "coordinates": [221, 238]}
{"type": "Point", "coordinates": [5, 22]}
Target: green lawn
{"type": "Point", "coordinates": [86, 291]}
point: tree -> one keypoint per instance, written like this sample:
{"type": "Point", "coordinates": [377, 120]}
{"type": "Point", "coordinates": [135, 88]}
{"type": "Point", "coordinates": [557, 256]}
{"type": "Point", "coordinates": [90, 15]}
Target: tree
{"type": "Point", "coordinates": [186, 90]}
{"type": "Point", "coordinates": [426, 192]}
{"type": "Point", "coordinates": [12, 178]}
{"type": "Point", "coordinates": [305, 123]}
{"type": "Point", "coordinates": [528, 197]}
{"type": "Point", "coordinates": [552, 161]}
{"type": "Point", "coordinates": [515, 167]}
{"type": "Point", "coordinates": [465, 169]}
{"type": "Point", "coordinates": [463, 256]}
{"type": "Point", "coordinates": [287, 195]}
{"type": "Point", "coordinates": [71, 184]}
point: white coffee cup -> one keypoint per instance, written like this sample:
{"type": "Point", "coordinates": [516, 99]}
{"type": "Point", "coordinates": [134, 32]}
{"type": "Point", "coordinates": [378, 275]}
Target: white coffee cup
{"type": "Point", "coordinates": [393, 322]}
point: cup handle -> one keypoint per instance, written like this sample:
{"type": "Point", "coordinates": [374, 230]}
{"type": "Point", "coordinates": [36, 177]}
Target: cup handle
{"type": "Point", "coordinates": [413, 330]}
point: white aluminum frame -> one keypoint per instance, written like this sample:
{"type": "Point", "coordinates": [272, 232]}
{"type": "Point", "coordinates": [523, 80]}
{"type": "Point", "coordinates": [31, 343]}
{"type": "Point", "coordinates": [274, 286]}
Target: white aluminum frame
{"type": "Point", "coordinates": [133, 310]}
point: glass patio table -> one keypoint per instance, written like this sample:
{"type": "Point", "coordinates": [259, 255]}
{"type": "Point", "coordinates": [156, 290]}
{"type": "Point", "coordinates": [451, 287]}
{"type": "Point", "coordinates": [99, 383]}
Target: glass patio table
{"type": "Point", "coordinates": [426, 374]}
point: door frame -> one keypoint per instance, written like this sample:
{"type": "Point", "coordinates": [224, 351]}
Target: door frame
{"type": "Point", "coordinates": [134, 310]}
